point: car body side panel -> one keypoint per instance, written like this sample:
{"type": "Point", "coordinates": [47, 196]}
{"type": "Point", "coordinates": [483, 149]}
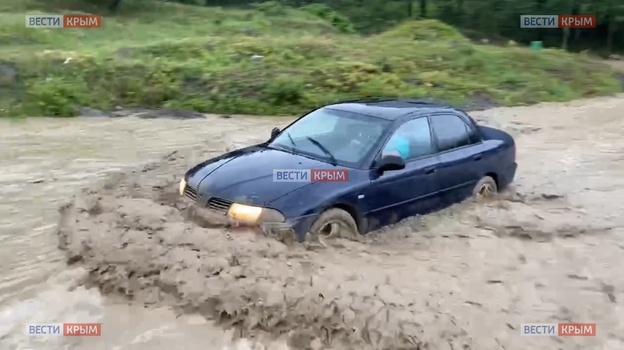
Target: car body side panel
{"type": "Point", "coordinates": [507, 175]}
{"type": "Point", "coordinates": [399, 194]}
{"type": "Point", "coordinates": [503, 162]}
{"type": "Point", "coordinates": [460, 170]}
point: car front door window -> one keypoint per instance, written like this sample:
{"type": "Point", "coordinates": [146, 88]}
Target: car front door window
{"type": "Point", "coordinates": [450, 131]}
{"type": "Point", "coordinates": [411, 140]}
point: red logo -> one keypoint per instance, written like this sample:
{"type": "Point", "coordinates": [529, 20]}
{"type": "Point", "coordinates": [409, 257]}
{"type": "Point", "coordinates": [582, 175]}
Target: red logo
{"type": "Point", "coordinates": [329, 175]}
{"type": "Point", "coordinates": [82, 21]}
{"type": "Point", "coordinates": [577, 21]}
{"type": "Point", "coordinates": [576, 329]}
{"type": "Point", "coordinates": [82, 329]}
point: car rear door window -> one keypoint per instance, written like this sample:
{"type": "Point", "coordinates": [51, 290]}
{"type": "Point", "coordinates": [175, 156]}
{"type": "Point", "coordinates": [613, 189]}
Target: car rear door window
{"type": "Point", "coordinates": [450, 131]}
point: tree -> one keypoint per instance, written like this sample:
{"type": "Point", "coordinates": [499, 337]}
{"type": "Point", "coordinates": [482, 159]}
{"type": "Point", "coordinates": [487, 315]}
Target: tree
{"type": "Point", "coordinates": [114, 6]}
{"type": "Point", "coordinates": [486, 18]}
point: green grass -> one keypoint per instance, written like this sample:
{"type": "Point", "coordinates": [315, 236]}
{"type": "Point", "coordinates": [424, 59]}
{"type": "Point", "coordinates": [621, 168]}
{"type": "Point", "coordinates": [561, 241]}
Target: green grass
{"type": "Point", "coordinates": [176, 56]}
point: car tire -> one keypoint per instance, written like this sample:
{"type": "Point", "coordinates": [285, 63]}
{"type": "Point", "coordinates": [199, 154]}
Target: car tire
{"type": "Point", "coordinates": [334, 223]}
{"type": "Point", "coordinates": [486, 188]}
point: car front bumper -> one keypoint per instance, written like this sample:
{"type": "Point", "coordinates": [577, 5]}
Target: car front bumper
{"type": "Point", "coordinates": [279, 230]}
{"type": "Point", "coordinates": [293, 229]}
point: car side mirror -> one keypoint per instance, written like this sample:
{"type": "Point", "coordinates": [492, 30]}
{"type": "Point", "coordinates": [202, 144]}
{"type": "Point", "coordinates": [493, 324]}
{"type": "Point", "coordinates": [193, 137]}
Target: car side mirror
{"type": "Point", "coordinates": [390, 162]}
{"type": "Point", "coordinates": [274, 133]}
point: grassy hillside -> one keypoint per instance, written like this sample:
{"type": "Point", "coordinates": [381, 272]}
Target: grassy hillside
{"type": "Point", "coordinates": [268, 61]}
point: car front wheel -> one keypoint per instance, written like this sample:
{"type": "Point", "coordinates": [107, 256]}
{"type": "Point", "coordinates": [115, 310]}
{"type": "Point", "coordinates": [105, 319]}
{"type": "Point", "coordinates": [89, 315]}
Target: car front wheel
{"type": "Point", "coordinates": [334, 223]}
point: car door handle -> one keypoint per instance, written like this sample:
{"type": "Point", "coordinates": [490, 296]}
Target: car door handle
{"type": "Point", "coordinates": [430, 170]}
{"type": "Point", "coordinates": [477, 157]}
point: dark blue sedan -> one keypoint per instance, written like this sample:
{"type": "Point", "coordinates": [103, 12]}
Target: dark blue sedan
{"type": "Point", "coordinates": [353, 167]}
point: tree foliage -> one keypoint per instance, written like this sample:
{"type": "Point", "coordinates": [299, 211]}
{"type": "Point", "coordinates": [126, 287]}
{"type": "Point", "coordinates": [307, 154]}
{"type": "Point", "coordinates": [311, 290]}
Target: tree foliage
{"type": "Point", "coordinates": [484, 19]}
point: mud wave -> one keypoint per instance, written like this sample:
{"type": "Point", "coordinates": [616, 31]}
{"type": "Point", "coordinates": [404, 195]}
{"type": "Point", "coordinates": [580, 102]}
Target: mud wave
{"type": "Point", "coordinates": [132, 235]}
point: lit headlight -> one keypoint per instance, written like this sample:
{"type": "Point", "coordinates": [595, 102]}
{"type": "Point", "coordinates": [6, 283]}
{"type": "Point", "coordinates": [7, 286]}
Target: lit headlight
{"type": "Point", "coordinates": [182, 187]}
{"type": "Point", "coordinates": [254, 215]}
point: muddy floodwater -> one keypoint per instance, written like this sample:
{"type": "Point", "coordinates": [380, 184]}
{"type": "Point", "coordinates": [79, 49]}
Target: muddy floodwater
{"type": "Point", "coordinates": [549, 250]}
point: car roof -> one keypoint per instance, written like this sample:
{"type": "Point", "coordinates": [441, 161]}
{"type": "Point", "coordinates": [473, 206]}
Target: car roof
{"type": "Point", "coordinates": [389, 108]}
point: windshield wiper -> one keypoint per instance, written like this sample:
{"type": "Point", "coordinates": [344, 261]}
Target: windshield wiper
{"type": "Point", "coordinates": [294, 144]}
{"type": "Point", "coordinates": [291, 139]}
{"type": "Point", "coordinates": [325, 150]}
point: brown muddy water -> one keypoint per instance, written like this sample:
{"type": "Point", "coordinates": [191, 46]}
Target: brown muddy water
{"type": "Point", "coordinates": [551, 250]}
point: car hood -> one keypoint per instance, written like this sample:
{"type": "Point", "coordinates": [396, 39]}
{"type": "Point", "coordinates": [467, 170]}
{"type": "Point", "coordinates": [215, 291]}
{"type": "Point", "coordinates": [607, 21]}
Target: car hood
{"type": "Point", "coordinates": [246, 175]}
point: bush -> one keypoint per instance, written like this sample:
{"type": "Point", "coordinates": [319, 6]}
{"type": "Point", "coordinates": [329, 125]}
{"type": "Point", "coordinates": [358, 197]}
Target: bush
{"type": "Point", "coordinates": [272, 8]}
{"type": "Point", "coordinates": [425, 30]}
{"type": "Point", "coordinates": [284, 91]}
{"type": "Point", "coordinates": [337, 20]}
{"type": "Point", "coordinates": [55, 98]}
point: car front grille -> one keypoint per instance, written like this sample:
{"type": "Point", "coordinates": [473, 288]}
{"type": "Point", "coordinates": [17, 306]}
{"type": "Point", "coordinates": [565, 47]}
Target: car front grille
{"type": "Point", "coordinates": [219, 204]}
{"type": "Point", "coordinates": [191, 193]}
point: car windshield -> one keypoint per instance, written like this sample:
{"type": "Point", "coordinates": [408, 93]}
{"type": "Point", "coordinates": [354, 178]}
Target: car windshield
{"type": "Point", "coordinates": [335, 136]}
